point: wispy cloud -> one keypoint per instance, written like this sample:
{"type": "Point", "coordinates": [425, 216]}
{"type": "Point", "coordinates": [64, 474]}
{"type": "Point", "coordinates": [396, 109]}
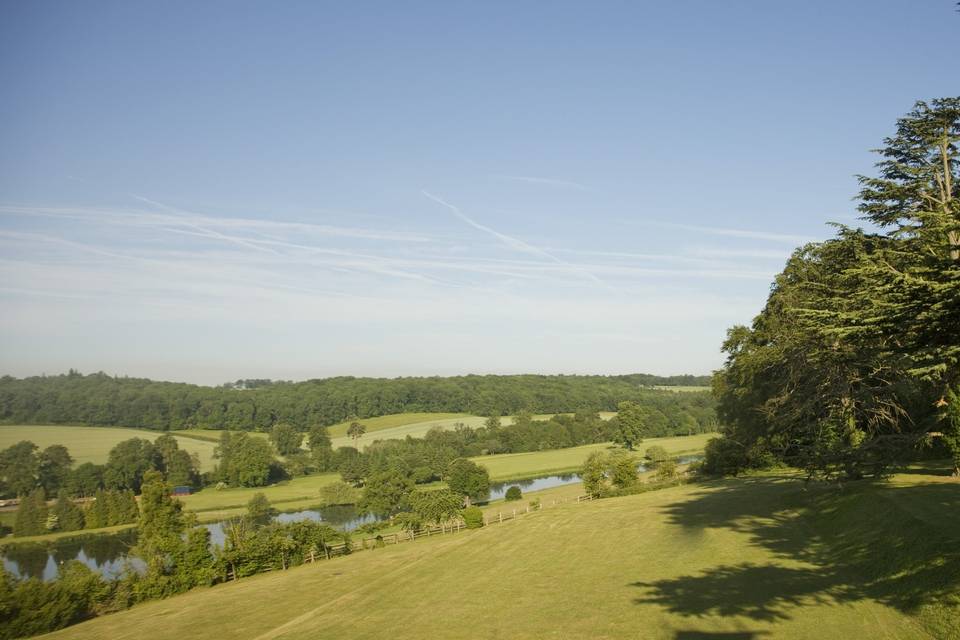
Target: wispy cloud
{"type": "Point", "coordinates": [552, 182]}
{"type": "Point", "coordinates": [737, 233]}
{"type": "Point", "coordinates": [341, 295]}
{"type": "Point", "coordinates": [510, 241]}
{"type": "Point", "coordinates": [150, 218]}
{"type": "Point", "coordinates": [765, 254]}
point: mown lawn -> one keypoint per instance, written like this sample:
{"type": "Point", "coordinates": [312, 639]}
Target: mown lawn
{"type": "Point", "coordinates": [93, 444]}
{"type": "Point", "coordinates": [754, 558]}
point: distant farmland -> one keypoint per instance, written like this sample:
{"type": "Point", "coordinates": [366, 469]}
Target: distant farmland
{"type": "Point", "coordinates": [93, 444]}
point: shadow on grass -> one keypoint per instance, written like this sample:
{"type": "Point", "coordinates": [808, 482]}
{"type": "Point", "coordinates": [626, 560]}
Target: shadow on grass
{"type": "Point", "coordinates": [707, 635]}
{"type": "Point", "coordinates": [892, 544]}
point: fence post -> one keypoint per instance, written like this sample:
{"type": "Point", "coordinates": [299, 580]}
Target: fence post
{"type": "Point", "coordinates": [514, 514]}
{"type": "Point", "coordinates": [500, 515]}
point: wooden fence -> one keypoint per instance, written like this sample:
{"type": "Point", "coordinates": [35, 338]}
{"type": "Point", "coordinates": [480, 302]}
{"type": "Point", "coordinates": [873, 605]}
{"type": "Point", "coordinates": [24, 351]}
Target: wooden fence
{"type": "Point", "coordinates": [454, 527]}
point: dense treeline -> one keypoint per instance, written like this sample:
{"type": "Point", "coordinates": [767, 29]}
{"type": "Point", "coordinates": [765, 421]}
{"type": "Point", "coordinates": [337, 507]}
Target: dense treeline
{"type": "Point", "coordinates": [854, 363]}
{"type": "Point", "coordinates": [100, 399]}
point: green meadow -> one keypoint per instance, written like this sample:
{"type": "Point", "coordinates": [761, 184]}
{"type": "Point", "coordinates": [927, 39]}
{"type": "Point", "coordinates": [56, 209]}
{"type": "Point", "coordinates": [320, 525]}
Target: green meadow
{"type": "Point", "coordinates": [93, 444]}
{"type": "Point", "coordinates": [416, 425]}
{"type": "Point", "coordinates": [515, 466]}
{"type": "Point", "coordinates": [751, 558]}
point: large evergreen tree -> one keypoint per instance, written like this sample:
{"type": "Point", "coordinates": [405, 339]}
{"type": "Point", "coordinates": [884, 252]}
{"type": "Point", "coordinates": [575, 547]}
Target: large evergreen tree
{"type": "Point", "coordinates": [854, 360]}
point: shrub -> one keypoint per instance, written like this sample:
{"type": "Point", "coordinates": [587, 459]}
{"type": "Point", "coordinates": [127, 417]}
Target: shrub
{"type": "Point", "coordinates": [535, 503]}
{"type": "Point", "coordinates": [666, 470]}
{"type": "Point", "coordinates": [339, 493]}
{"type": "Point", "coordinates": [473, 517]}
{"type": "Point", "coordinates": [513, 493]}
{"type": "Point", "coordinates": [373, 527]}
{"type": "Point", "coordinates": [259, 509]}
{"type": "Point", "coordinates": [724, 457]}
{"type": "Point", "coordinates": [423, 475]}
{"type": "Point", "coordinates": [656, 455]}
{"type": "Point", "coordinates": [408, 521]}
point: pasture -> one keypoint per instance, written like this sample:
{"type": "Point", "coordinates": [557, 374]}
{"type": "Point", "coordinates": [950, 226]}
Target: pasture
{"type": "Point", "coordinates": [93, 444]}
{"type": "Point", "coordinates": [750, 558]}
{"type": "Point", "coordinates": [392, 420]}
{"type": "Point", "coordinates": [391, 427]}
{"type": "Point", "coordinates": [212, 504]}
{"type": "Point", "coordinates": [416, 425]}
{"type": "Point", "coordinates": [516, 466]}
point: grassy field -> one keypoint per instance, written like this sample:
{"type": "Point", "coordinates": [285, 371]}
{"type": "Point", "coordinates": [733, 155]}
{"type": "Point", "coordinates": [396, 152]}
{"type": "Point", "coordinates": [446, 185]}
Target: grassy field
{"type": "Point", "coordinates": [680, 389]}
{"type": "Point", "coordinates": [302, 492]}
{"type": "Point", "coordinates": [393, 420]}
{"type": "Point", "coordinates": [515, 466]}
{"type": "Point", "coordinates": [748, 559]}
{"type": "Point", "coordinates": [416, 425]}
{"type": "Point", "coordinates": [93, 444]}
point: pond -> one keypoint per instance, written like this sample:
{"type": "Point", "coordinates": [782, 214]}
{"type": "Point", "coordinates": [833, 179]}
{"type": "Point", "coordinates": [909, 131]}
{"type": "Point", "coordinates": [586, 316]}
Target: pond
{"type": "Point", "coordinates": [343, 517]}
{"type": "Point", "coordinates": [109, 554]}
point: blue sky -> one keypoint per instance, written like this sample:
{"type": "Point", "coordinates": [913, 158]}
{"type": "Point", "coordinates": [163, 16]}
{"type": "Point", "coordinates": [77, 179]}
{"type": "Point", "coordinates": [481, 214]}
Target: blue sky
{"type": "Point", "coordinates": [208, 191]}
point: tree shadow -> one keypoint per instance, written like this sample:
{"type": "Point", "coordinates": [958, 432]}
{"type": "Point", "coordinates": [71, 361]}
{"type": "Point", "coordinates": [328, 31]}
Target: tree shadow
{"type": "Point", "coordinates": [723, 635]}
{"type": "Point", "coordinates": [892, 544]}
{"type": "Point", "coordinates": [761, 592]}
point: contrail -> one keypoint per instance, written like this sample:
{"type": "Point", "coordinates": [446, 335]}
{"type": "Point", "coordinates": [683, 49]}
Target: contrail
{"type": "Point", "coordinates": [514, 243]}
{"type": "Point", "coordinates": [204, 231]}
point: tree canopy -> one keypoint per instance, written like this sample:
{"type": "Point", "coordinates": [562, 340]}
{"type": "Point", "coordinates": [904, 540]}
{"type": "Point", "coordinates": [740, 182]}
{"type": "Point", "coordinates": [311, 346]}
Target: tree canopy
{"type": "Point", "coordinates": [854, 362]}
{"type": "Point", "coordinates": [101, 399]}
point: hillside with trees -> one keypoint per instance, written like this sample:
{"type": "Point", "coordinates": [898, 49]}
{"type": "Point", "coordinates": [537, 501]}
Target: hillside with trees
{"type": "Point", "coordinates": [100, 399]}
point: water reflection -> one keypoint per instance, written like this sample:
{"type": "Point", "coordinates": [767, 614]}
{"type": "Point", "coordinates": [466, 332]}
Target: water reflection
{"type": "Point", "coordinates": [499, 489]}
{"type": "Point", "coordinates": [343, 517]}
{"type": "Point", "coordinates": [106, 554]}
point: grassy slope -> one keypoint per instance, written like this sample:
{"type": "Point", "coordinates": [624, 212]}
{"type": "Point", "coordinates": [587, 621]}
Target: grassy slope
{"type": "Point", "coordinates": [513, 466]}
{"type": "Point", "coordinates": [92, 444]}
{"type": "Point", "coordinates": [760, 558]}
